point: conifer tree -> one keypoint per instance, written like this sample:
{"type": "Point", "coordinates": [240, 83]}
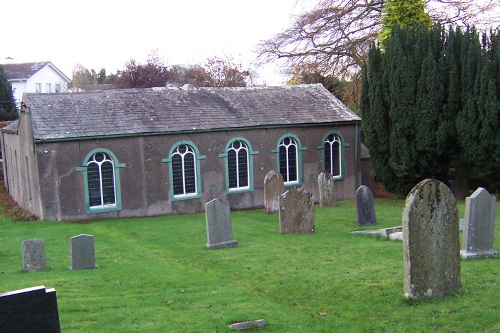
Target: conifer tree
{"type": "Point", "coordinates": [8, 109]}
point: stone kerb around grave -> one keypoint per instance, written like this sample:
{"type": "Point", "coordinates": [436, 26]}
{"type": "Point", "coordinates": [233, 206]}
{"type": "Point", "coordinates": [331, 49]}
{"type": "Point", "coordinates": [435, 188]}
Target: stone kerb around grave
{"type": "Point", "coordinates": [218, 221]}
{"type": "Point", "coordinates": [274, 186]}
{"type": "Point", "coordinates": [431, 244]}
{"type": "Point", "coordinates": [296, 212]}
{"type": "Point", "coordinates": [327, 195]}
{"type": "Point", "coordinates": [365, 206]}
{"type": "Point", "coordinates": [479, 224]}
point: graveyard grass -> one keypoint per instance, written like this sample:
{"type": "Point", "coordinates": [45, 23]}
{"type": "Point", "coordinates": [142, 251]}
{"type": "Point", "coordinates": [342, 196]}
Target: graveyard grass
{"type": "Point", "coordinates": [155, 275]}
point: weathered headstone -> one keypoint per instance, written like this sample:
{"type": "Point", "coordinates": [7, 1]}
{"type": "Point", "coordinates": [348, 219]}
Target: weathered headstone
{"type": "Point", "coordinates": [247, 325]}
{"type": "Point", "coordinates": [326, 184]}
{"type": "Point", "coordinates": [82, 252]}
{"type": "Point", "coordinates": [296, 212]}
{"type": "Point", "coordinates": [29, 310]}
{"type": "Point", "coordinates": [479, 223]}
{"type": "Point", "coordinates": [33, 254]}
{"type": "Point", "coordinates": [430, 241]}
{"type": "Point", "coordinates": [365, 206]}
{"type": "Point", "coordinates": [219, 229]}
{"type": "Point", "coordinates": [274, 186]}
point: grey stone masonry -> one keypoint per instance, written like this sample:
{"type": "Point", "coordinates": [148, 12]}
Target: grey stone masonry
{"type": "Point", "coordinates": [219, 229]}
{"type": "Point", "coordinates": [365, 206]}
{"type": "Point", "coordinates": [33, 255]}
{"type": "Point", "coordinates": [274, 186]}
{"type": "Point", "coordinates": [296, 212]}
{"type": "Point", "coordinates": [431, 243]}
{"type": "Point", "coordinates": [326, 184]}
{"type": "Point", "coordinates": [29, 310]}
{"type": "Point", "coordinates": [82, 252]}
{"type": "Point", "coordinates": [479, 223]}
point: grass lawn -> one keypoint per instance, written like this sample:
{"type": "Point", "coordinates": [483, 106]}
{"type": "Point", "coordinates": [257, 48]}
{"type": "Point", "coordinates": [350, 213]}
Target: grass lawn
{"type": "Point", "coordinates": [155, 275]}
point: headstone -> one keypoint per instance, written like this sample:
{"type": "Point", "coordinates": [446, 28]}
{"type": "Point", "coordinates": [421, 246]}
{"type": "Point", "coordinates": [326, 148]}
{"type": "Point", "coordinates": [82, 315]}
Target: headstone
{"type": "Point", "coordinates": [82, 252]}
{"type": "Point", "coordinates": [247, 325]}
{"type": "Point", "coordinates": [365, 206]}
{"type": "Point", "coordinates": [274, 186]}
{"type": "Point", "coordinates": [296, 212]}
{"type": "Point", "coordinates": [29, 310]}
{"type": "Point", "coordinates": [326, 184]}
{"type": "Point", "coordinates": [219, 229]}
{"type": "Point", "coordinates": [431, 242]}
{"type": "Point", "coordinates": [33, 255]}
{"type": "Point", "coordinates": [479, 223]}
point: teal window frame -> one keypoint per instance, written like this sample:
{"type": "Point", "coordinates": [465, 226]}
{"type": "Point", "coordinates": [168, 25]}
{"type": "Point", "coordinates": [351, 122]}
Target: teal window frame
{"type": "Point", "coordinates": [250, 153]}
{"type": "Point", "coordinates": [300, 149]}
{"type": "Point", "coordinates": [197, 159]}
{"type": "Point", "coordinates": [342, 146]}
{"type": "Point", "coordinates": [116, 168]}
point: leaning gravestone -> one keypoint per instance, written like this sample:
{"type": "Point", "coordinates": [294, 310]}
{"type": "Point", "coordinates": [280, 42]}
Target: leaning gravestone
{"type": "Point", "coordinates": [33, 255]}
{"type": "Point", "coordinates": [365, 206]}
{"type": "Point", "coordinates": [29, 310]}
{"type": "Point", "coordinates": [219, 230]}
{"type": "Point", "coordinates": [326, 184]}
{"type": "Point", "coordinates": [296, 212]}
{"type": "Point", "coordinates": [430, 241]}
{"type": "Point", "coordinates": [82, 252]}
{"type": "Point", "coordinates": [479, 223]}
{"type": "Point", "coordinates": [274, 186]}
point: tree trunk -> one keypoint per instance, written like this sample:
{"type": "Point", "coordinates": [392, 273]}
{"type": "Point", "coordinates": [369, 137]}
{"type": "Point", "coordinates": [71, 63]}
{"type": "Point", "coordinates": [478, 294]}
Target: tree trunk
{"type": "Point", "coordinates": [462, 179]}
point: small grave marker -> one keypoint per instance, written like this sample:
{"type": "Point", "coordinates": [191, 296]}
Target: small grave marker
{"type": "Point", "coordinates": [365, 206]}
{"type": "Point", "coordinates": [274, 186]}
{"type": "Point", "coordinates": [296, 212]}
{"type": "Point", "coordinates": [33, 255]}
{"type": "Point", "coordinates": [479, 223]}
{"type": "Point", "coordinates": [326, 184]}
{"type": "Point", "coordinates": [82, 252]}
{"type": "Point", "coordinates": [430, 241]}
{"type": "Point", "coordinates": [219, 229]}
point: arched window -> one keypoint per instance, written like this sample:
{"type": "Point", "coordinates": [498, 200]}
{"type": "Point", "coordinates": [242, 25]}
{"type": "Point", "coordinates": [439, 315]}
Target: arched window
{"type": "Point", "coordinates": [290, 159]}
{"type": "Point", "coordinates": [184, 160]}
{"type": "Point", "coordinates": [238, 156]}
{"type": "Point", "coordinates": [333, 154]}
{"type": "Point", "coordinates": [184, 170]}
{"type": "Point", "coordinates": [101, 181]}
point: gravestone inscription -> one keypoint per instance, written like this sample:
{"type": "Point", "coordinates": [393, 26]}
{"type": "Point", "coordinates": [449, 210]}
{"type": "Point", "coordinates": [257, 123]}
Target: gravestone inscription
{"type": "Point", "coordinates": [365, 206]}
{"type": "Point", "coordinates": [430, 241]}
{"type": "Point", "coordinates": [274, 186]}
{"type": "Point", "coordinates": [326, 184]}
{"type": "Point", "coordinates": [33, 254]}
{"type": "Point", "coordinates": [296, 212]}
{"type": "Point", "coordinates": [82, 252]}
{"type": "Point", "coordinates": [219, 229]}
{"type": "Point", "coordinates": [479, 224]}
{"type": "Point", "coordinates": [29, 310]}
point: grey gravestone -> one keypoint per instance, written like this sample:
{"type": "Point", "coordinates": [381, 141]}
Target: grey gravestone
{"type": "Point", "coordinates": [365, 206]}
{"type": "Point", "coordinates": [219, 229]}
{"type": "Point", "coordinates": [33, 254]}
{"type": "Point", "coordinates": [326, 184]}
{"type": "Point", "coordinates": [479, 223]}
{"type": "Point", "coordinates": [82, 252]}
{"type": "Point", "coordinates": [274, 186]}
{"type": "Point", "coordinates": [248, 325]}
{"type": "Point", "coordinates": [430, 241]}
{"type": "Point", "coordinates": [29, 310]}
{"type": "Point", "coordinates": [296, 212]}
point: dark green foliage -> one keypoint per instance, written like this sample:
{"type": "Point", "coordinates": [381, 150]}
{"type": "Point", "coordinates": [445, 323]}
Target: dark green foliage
{"type": "Point", "coordinates": [8, 108]}
{"type": "Point", "coordinates": [439, 102]}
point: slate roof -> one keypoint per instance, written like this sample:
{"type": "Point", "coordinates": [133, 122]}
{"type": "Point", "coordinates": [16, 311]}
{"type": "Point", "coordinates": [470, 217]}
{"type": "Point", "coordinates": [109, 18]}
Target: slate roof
{"type": "Point", "coordinates": [23, 71]}
{"type": "Point", "coordinates": [152, 111]}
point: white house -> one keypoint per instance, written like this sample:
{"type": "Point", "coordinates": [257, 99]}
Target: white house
{"type": "Point", "coordinates": [35, 77]}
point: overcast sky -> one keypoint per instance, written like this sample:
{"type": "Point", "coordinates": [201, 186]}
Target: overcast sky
{"type": "Point", "coordinates": [108, 33]}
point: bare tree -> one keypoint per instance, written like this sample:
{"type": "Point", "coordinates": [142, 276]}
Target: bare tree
{"type": "Point", "coordinates": [336, 34]}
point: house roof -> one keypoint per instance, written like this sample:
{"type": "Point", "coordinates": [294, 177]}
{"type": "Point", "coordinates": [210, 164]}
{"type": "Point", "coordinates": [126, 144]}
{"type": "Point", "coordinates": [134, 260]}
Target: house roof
{"type": "Point", "coordinates": [153, 111]}
{"type": "Point", "coordinates": [23, 71]}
